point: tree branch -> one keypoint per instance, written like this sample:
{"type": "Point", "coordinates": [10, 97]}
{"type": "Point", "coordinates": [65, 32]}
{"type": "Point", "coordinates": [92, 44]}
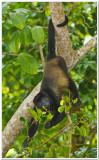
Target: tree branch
{"type": "Point", "coordinates": [83, 50]}
{"type": "Point", "coordinates": [15, 126]}
{"type": "Point", "coordinates": [16, 55]}
{"type": "Point", "coordinates": [42, 56]}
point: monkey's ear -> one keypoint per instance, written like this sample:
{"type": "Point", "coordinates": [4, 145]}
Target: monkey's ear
{"type": "Point", "coordinates": [42, 99]}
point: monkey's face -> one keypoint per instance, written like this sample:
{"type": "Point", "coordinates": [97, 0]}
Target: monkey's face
{"type": "Point", "coordinates": [42, 100]}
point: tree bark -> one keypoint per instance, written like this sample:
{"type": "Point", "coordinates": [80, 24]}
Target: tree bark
{"type": "Point", "coordinates": [62, 36]}
{"type": "Point", "coordinates": [15, 126]}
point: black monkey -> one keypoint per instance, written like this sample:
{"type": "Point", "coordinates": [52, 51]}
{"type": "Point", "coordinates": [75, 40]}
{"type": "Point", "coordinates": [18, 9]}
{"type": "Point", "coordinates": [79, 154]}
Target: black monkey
{"type": "Point", "coordinates": [55, 81]}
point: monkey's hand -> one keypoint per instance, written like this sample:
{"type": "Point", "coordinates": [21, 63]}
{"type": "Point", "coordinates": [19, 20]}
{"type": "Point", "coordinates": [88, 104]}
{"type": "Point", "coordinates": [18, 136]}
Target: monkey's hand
{"type": "Point", "coordinates": [26, 142]}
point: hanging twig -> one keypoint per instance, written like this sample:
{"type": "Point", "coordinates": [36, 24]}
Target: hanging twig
{"type": "Point", "coordinates": [36, 46]}
{"type": "Point", "coordinates": [40, 11]}
{"type": "Point", "coordinates": [42, 56]}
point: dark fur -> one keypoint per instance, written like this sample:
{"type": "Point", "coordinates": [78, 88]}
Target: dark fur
{"type": "Point", "coordinates": [55, 81]}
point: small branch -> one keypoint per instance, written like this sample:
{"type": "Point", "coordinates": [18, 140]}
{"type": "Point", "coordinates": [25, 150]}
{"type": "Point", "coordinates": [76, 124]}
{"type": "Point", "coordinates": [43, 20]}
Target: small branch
{"type": "Point", "coordinates": [23, 154]}
{"type": "Point", "coordinates": [87, 23]}
{"type": "Point", "coordinates": [54, 136]}
{"type": "Point", "coordinates": [10, 54]}
{"type": "Point", "coordinates": [83, 50]}
{"type": "Point", "coordinates": [42, 56]}
{"type": "Point", "coordinates": [36, 25]}
{"type": "Point", "coordinates": [74, 4]}
{"type": "Point", "coordinates": [40, 11]}
{"type": "Point", "coordinates": [36, 46]}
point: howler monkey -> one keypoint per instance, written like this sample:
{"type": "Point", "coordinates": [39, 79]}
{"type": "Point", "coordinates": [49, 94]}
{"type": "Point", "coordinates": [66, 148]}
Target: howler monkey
{"type": "Point", "coordinates": [55, 81]}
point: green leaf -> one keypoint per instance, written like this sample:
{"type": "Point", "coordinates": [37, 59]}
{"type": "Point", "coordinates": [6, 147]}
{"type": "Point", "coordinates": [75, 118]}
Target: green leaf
{"type": "Point", "coordinates": [80, 28]}
{"type": "Point", "coordinates": [67, 108]}
{"type": "Point", "coordinates": [93, 65]}
{"type": "Point", "coordinates": [33, 114]}
{"type": "Point", "coordinates": [26, 36]}
{"type": "Point", "coordinates": [38, 34]}
{"type": "Point", "coordinates": [91, 31]}
{"type": "Point", "coordinates": [84, 131]}
{"type": "Point", "coordinates": [74, 118]}
{"type": "Point", "coordinates": [4, 8]}
{"type": "Point", "coordinates": [61, 102]}
{"type": "Point", "coordinates": [22, 119]}
{"type": "Point", "coordinates": [77, 130]}
{"type": "Point", "coordinates": [18, 19]}
{"type": "Point", "coordinates": [86, 6]}
{"type": "Point", "coordinates": [28, 63]}
{"type": "Point", "coordinates": [92, 152]}
{"type": "Point", "coordinates": [8, 25]}
{"type": "Point", "coordinates": [34, 154]}
{"type": "Point", "coordinates": [26, 124]}
{"type": "Point", "coordinates": [36, 142]}
{"type": "Point", "coordinates": [30, 149]}
{"type": "Point", "coordinates": [26, 11]}
{"type": "Point", "coordinates": [39, 112]}
{"type": "Point", "coordinates": [14, 42]}
{"type": "Point", "coordinates": [61, 109]}
{"type": "Point", "coordinates": [75, 100]}
{"type": "Point", "coordinates": [24, 132]}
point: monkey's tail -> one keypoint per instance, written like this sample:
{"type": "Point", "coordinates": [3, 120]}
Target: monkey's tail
{"type": "Point", "coordinates": [51, 41]}
{"type": "Point", "coordinates": [51, 38]}
{"type": "Point", "coordinates": [64, 23]}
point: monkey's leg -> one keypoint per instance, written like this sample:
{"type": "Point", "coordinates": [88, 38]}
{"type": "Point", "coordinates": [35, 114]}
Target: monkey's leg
{"type": "Point", "coordinates": [55, 120]}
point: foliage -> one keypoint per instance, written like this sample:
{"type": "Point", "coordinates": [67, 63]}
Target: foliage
{"type": "Point", "coordinates": [23, 28]}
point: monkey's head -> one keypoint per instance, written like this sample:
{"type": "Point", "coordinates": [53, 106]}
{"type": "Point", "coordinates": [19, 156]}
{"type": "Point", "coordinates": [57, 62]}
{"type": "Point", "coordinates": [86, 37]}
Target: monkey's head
{"type": "Point", "coordinates": [42, 100]}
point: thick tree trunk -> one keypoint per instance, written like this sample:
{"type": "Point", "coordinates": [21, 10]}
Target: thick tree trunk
{"type": "Point", "coordinates": [15, 126]}
{"type": "Point", "coordinates": [64, 45]}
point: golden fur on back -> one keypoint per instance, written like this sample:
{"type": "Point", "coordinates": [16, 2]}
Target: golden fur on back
{"type": "Point", "coordinates": [54, 73]}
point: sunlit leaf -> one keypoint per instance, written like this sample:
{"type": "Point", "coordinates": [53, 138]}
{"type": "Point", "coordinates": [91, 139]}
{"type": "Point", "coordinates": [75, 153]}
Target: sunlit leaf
{"type": "Point", "coordinates": [61, 102]}
{"type": "Point", "coordinates": [18, 19]}
{"type": "Point", "coordinates": [38, 34]}
{"type": "Point", "coordinates": [4, 8]}
{"type": "Point", "coordinates": [61, 109]}
{"type": "Point", "coordinates": [28, 63]}
{"type": "Point", "coordinates": [26, 36]}
{"type": "Point", "coordinates": [15, 43]}
{"type": "Point", "coordinates": [33, 114]}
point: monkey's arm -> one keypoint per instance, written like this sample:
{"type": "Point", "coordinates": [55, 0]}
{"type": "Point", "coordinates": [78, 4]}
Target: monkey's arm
{"type": "Point", "coordinates": [73, 89]}
{"type": "Point", "coordinates": [55, 120]}
{"type": "Point", "coordinates": [33, 126]}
